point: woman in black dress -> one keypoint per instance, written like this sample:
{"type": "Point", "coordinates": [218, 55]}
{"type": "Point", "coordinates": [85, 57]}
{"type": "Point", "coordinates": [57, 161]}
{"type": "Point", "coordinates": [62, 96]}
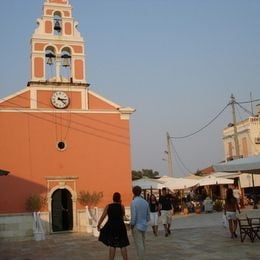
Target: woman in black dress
{"type": "Point", "coordinates": [114, 233]}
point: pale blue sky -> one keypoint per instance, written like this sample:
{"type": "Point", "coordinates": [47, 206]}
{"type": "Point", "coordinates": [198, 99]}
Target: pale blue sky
{"type": "Point", "coordinates": [176, 62]}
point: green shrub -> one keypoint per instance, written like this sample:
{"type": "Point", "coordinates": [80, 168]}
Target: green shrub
{"type": "Point", "coordinates": [35, 202]}
{"type": "Point", "coordinates": [218, 205]}
{"type": "Point", "coordinates": [86, 198]}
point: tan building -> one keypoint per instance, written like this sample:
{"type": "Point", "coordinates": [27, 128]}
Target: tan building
{"type": "Point", "coordinates": [248, 133]}
{"type": "Point", "coordinates": [248, 139]}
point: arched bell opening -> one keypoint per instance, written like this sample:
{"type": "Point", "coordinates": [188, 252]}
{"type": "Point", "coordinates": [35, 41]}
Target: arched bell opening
{"type": "Point", "coordinates": [50, 63]}
{"type": "Point", "coordinates": [57, 23]}
{"type": "Point", "coordinates": [66, 64]}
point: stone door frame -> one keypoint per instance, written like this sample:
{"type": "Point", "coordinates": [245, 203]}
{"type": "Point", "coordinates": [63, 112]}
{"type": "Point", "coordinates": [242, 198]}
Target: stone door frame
{"type": "Point", "coordinates": [62, 182]}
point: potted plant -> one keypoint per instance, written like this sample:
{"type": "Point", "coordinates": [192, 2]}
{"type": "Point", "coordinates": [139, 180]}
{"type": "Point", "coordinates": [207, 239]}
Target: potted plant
{"type": "Point", "coordinates": [89, 200]}
{"type": "Point", "coordinates": [127, 221]}
{"type": "Point", "coordinates": [35, 203]}
{"type": "Point", "coordinates": [86, 198]}
{"type": "Point", "coordinates": [197, 207]}
{"type": "Point", "coordinates": [184, 208]}
{"type": "Point", "coordinates": [218, 205]}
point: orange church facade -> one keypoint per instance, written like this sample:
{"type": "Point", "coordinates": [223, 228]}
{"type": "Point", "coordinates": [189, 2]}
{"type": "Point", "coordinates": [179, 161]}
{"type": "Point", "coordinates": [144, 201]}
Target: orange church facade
{"type": "Point", "coordinates": [58, 137]}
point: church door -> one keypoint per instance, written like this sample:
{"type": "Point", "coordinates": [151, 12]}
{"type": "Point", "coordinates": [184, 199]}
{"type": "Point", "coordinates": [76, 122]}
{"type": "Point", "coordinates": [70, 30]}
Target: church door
{"type": "Point", "coordinates": [62, 217]}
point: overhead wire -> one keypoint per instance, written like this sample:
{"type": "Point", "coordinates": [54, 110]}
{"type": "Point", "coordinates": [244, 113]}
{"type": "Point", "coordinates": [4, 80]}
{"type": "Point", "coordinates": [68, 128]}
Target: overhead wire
{"type": "Point", "coordinates": [249, 137]}
{"type": "Point", "coordinates": [247, 111]}
{"type": "Point", "coordinates": [69, 110]}
{"type": "Point", "coordinates": [205, 126]}
{"type": "Point", "coordinates": [180, 160]}
{"type": "Point", "coordinates": [202, 128]}
{"type": "Point", "coordinates": [81, 124]}
{"type": "Point", "coordinates": [29, 146]}
{"type": "Point", "coordinates": [21, 110]}
{"type": "Point", "coordinates": [80, 115]}
{"type": "Point", "coordinates": [50, 71]}
{"type": "Point", "coordinates": [247, 102]}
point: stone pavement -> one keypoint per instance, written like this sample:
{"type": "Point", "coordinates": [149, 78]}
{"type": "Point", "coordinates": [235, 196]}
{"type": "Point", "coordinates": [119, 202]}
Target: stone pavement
{"type": "Point", "coordinates": [195, 236]}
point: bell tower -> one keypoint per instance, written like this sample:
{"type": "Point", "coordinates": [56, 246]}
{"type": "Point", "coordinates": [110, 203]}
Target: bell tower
{"type": "Point", "coordinates": [57, 48]}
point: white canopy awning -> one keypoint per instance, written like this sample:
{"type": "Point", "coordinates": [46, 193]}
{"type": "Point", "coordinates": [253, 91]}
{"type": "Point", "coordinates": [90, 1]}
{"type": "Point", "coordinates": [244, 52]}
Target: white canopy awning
{"type": "Point", "coordinates": [178, 183]}
{"type": "Point", "coordinates": [228, 175]}
{"type": "Point", "coordinates": [192, 176]}
{"type": "Point", "coordinates": [246, 180]}
{"type": "Point", "coordinates": [213, 180]}
{"type": "Point", "coordinates": [147, 183]}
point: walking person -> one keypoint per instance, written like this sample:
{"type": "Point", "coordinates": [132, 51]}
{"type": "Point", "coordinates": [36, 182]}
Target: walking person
{"type": "Point", "coordinates": [167, 210]}
{"type": "Point", "coordinates": [154, 213]}
{"type": "Point", "coordinates": [140, 216]}
{"type": "Point", "coordinates": [237, 194]}
{"type": "Point", "coordinates": [230, 208]}
{"type": "Point", "coordinates": [114, 233]}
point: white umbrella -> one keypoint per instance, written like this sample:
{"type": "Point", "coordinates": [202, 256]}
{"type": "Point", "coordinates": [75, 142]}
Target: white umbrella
{"type": "Point", "coordinates": [178, 183]}
{"type": "Point", "coordinates": [212, 180]}
{"type": "Point", "coordinates": [146, 183]}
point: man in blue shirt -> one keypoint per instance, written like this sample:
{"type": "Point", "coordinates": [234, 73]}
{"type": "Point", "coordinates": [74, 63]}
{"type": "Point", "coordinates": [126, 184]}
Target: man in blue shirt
{"type": "Point", "coordinates": [140, 216]}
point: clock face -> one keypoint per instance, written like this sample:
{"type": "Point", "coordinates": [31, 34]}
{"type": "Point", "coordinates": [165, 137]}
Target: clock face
{"type": "Point", "coordinates": [60, 99]}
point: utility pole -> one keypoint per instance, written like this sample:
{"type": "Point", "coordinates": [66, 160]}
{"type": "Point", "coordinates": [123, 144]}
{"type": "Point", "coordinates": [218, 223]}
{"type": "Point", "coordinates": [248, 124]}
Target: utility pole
{"type": "Point", "coordinates": [169, 155]}
{"type": "Point", "coordinates": [232, 102]}
{"type": "Point", "coordinates": [251, 101]}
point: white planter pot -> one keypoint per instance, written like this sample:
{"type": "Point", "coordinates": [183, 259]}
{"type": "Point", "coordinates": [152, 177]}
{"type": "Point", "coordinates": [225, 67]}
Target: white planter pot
{"type": "Point", "coordinates": [38, 236]}
{"type": "Point", "coordinates": [88, 229]}
{"type": "Point", "coordinates": [95, 231]}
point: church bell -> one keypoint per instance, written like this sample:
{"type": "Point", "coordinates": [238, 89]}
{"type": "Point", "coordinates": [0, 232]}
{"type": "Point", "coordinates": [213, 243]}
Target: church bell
{"type": "Point", "coordinates": [50, 56]}
{"type": "Point", "coordinates": [57, 26]}
{"type": "Point", "coordinates": [65, 60]}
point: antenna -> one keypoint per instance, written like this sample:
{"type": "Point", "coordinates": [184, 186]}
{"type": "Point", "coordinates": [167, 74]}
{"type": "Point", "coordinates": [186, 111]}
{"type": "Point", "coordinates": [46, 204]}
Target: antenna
{"type": "Point", "coordinates": [251, 101]}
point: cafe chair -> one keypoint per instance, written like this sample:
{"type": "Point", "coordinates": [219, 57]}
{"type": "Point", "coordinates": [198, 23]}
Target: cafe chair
{"type": "Point", "coordinates": [249, 227]}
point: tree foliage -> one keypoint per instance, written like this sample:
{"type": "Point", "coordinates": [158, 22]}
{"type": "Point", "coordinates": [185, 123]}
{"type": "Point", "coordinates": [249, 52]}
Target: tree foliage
{"type": "Point", "coordinates": [86, 198]}
{"type": "Point", "coordinates": [144, 173]}
{"type": "Point", "coordinates": [35, 202]}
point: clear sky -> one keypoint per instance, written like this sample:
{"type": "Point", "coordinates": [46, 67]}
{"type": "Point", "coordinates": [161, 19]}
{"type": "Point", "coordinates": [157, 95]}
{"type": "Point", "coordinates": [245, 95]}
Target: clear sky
{"type": "Point", "coordinates": [175, 62]}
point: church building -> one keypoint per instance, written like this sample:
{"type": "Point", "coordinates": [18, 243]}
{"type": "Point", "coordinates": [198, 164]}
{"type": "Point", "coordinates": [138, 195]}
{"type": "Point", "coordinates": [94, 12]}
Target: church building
{"type": "Point", "coordinates": [58, 137]}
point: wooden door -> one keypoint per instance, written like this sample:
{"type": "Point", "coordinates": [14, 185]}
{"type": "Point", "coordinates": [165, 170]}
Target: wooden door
{"type": "Point", "coordinates": [62, 213]}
